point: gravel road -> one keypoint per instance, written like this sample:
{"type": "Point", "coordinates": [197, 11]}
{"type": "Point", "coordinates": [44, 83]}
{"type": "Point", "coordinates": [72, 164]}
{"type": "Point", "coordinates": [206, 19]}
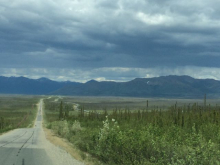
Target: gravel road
{"type": "Point", "coordinates": [29, 146]}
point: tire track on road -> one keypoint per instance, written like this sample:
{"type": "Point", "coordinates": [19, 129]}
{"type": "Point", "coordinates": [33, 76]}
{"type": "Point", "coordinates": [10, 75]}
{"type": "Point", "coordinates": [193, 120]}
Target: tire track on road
{"type": "Point", "coordinates": [25, 143]}
{"type": "Point", "coordinates": [13, 140]}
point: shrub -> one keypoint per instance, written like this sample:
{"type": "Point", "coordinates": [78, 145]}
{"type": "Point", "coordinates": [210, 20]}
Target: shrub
{"type": "Point", "coordinates": [61, 128]}
{"type": "Point", "coordinates": [76, 127]}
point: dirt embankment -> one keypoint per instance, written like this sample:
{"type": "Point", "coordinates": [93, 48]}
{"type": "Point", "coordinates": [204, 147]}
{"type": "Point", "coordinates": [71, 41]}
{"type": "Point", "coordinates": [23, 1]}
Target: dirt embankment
{"type": "Point", "coordinates": [70, 148]}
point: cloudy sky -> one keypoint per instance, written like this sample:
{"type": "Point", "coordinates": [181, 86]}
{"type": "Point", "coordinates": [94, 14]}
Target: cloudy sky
{"type": "Point", "coordinates": [117, 40]}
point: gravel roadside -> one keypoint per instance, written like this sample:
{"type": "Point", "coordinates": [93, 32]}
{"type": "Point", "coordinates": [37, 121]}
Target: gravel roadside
{"type": "Point", "coordinates": [57, 154]}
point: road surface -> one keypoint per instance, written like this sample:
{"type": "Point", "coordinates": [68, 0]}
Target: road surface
{"type": "Point", "coordinates": [29, 146]}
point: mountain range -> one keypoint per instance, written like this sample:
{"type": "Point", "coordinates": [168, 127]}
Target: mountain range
{"type": "Point", "coordinates": [23, 85]}
{"type": "Point", "coordinates": [164, 86]}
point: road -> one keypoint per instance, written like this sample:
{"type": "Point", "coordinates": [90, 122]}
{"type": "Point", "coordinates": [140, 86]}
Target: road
{"type": "Point", "coordinates": [29, 146]}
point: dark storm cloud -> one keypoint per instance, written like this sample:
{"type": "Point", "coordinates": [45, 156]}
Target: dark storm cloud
{"type": "Point", "coordinates": [72, 34]}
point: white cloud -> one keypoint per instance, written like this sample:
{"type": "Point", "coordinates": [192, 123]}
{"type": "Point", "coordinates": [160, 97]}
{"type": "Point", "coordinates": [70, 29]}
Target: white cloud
{"type": "Point", "coordinates": [100, 79]}
{"type": "Point", "coordinates": [156, 19]}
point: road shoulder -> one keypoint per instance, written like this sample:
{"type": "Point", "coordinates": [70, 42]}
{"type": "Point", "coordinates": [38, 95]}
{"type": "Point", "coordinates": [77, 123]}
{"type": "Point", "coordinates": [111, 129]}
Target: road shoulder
{"type": "Point", "coordinates": [68, 147]}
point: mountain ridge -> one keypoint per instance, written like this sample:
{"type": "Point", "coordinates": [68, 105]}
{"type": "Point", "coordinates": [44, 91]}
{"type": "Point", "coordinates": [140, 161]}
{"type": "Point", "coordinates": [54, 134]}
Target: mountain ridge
{"type": "Point", "coordinates": [24, 85]}
{"type": "Point", "coordinates": [163, 86]}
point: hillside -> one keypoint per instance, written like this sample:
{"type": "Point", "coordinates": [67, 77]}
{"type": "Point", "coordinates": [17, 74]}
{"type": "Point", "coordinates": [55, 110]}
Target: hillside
{"type": "Point", "coordinates": [164, 86]}
{"type": "Point", "coordinates": [23, 85]}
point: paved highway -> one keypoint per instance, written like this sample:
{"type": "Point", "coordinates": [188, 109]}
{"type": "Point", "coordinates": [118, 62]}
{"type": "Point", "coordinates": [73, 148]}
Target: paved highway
{"type": "Point", "coordinates": [28, 146]}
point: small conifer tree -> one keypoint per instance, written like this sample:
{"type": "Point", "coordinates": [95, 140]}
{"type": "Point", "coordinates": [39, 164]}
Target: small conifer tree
{"type": "Point", "coordinates": [61, 111]}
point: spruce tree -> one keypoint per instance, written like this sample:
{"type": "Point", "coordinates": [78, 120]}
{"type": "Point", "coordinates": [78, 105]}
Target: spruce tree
{"type": "Point", "coordinates": [61, 111]}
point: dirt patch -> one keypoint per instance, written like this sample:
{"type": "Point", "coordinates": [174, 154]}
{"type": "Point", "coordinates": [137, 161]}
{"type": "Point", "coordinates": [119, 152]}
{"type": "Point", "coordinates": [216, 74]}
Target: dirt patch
{"type": "Point", "coordinates": [67, 146]}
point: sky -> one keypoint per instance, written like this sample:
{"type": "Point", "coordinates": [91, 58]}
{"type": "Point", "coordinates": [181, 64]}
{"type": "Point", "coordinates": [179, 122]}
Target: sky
{"type": "Point", "coordinates": [109, 40]}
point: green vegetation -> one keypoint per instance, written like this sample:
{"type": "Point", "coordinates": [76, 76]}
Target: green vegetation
{"type": "Point", "coordinates": [181, 134]}
{"type": "Point", "coordinates": [17, 112]}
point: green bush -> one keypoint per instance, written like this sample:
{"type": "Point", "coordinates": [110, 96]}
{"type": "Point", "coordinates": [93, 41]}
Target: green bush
{"type": "Point", "coordinates": [140, 138]}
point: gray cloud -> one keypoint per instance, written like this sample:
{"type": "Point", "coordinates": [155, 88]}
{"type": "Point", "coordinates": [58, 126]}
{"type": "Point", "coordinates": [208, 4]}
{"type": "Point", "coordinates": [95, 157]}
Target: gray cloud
{"type": "Point", "coordinates": [81, 35]}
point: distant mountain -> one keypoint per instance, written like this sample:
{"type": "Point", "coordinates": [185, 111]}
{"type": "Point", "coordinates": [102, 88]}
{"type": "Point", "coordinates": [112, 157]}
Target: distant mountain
{"type": "Point", "coordinates": [164, 86]}
{"type": "Point", "coordinates": [23, 85]}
